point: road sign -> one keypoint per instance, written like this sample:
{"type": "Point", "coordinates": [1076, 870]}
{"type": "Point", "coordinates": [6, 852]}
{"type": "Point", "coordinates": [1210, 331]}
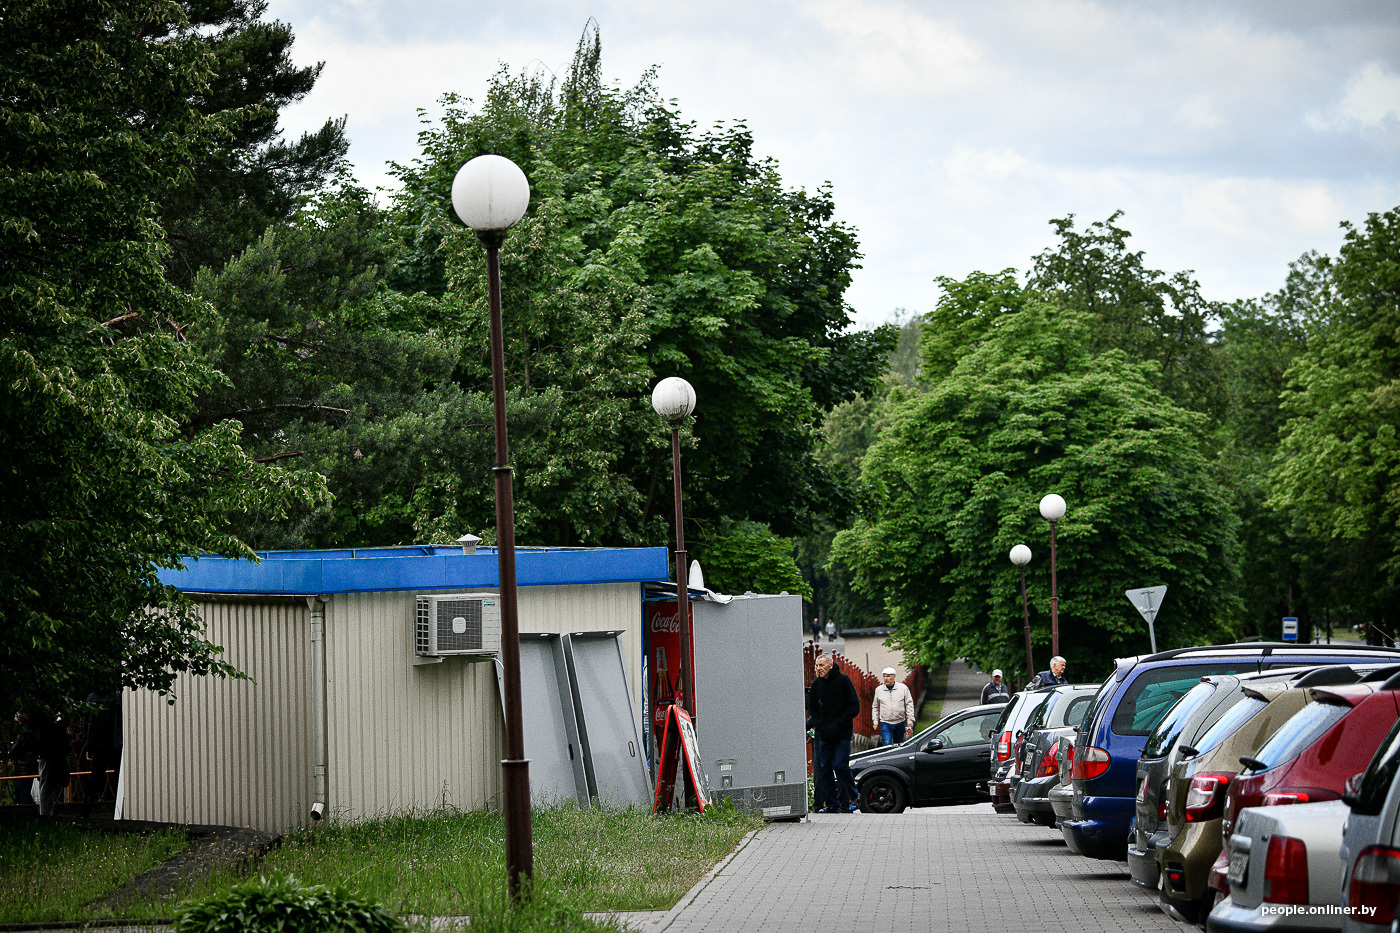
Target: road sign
{"type": "Point", "coordinates": [1147, 601]}
{"type": "Point", "coordinates": [1290, 629]}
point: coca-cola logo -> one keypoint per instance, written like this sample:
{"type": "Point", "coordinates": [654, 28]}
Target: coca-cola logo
{"type": "Point", "coordinates": [666, 623]}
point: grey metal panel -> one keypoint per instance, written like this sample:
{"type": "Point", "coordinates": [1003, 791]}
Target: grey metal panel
{"type": "Point", "coordinates": [228, 752]}
{"type": "Point", "coordinates": [551, 731]}
{"type": "Point", "coordinates": [608, 726]}
{"type": "Point", "coordinates": [746, 649]}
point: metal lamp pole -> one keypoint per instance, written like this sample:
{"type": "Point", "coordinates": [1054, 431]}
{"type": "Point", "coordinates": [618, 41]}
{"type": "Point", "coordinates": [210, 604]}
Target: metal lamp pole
{"type": "Point", "coordinates": [674, 399]}
{"type": "Point", "coordinates": [490, 195]}
{"type": "Point", "coordinates": [1021, 556]}
{"type": "Point", "coordinates": [1052, 509]}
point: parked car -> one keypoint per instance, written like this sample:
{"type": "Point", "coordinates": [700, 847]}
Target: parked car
{"type": "Point", "coordinates": [1061, 796]}
{"type": "Point", "coordinates": [1004, 768]}
{"type": "Point", "coordinates": [1197, 710]}
{"type": "Point", "coordinates": [1280, 856]}
{"type": "Point", "coordinates": [1039, 762]}
{"type": "Point", "coordinates": [1370, 849]}
{"type": "Point", "coordinates": [942, 764]}
{"type": "Point", "coordinates": [1313, 755]}
{"type": "Point", "coordinates": [1196, 795]}
{"type": "Point", "coordinates": [1136, 697]}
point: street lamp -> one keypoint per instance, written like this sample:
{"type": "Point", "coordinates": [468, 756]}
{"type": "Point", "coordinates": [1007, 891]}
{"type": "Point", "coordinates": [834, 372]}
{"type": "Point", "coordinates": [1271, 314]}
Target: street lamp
{"type": "Point", "coordinates": [490, 194]}
{"type": "Point", "coordinates": [1052, 509]}
{"type": "Point", "coordinates": [674, 400]}
{"type": "Point", "coordinates": [1021, 556]}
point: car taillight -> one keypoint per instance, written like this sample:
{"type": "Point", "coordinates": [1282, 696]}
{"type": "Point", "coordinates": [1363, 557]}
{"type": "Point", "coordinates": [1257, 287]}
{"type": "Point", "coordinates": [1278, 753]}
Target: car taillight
{"type": "Point", "coordinates": [1374, 892]}
{"type": "Point", "coordinates": [1281, 798]}
{"type": "Point", "coordinates": [1162, 810]}
{"type": "Point", "coordinates": [1205, 798]}
{"type": "Point", "coordinates": [1050, 764]}
{"type": "Point", "coordinates": [1089, 763]}
{"type": "Point", "coordinates": [1004, 746]}
{"type": "Point", "coordinates": [1286, 871]}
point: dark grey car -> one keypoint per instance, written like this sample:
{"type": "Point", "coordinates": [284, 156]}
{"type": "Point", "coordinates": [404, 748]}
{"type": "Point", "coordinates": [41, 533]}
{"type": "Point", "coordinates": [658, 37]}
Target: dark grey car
{"type": "Point", "coordinates": [1050, 725]}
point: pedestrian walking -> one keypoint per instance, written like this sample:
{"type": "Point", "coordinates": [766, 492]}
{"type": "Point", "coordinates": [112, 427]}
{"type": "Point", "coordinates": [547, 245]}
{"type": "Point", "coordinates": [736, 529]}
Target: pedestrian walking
{"type": "Point", "coordinates": [1053, 677]}
{"type": "Point", "coordinates": [816, 628]}
{"type": "Point", "coordinates": [892, 709]}
{"type": "Point", "coordinates": [830, 630]}
{"type": "Point", "coordinates": [832, 704]}
{"type": "Point", "coordinates": [996, 691]}
{"type": "Point", "coordinates": [52, 750]}
{"type": "Point", "coordinates": [25, 759]}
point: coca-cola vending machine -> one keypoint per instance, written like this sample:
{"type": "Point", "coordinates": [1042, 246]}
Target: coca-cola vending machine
{"type": "Point", "coordinates": [663, 664]}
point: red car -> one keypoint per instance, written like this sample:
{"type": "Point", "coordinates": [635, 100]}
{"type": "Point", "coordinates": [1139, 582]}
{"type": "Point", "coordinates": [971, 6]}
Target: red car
{"type": "Point", "coordinates": [1310, 757]}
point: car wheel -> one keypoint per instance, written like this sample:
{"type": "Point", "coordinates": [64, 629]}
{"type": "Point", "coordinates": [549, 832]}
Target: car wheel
{"type": "Point", "coordinates": [883, 795]}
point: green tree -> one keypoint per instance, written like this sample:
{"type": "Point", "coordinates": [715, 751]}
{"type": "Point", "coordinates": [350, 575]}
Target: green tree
{"type": "Point", "coordinates": [745, 557]}
{"type": "Point", "coordinates": [1338, 466]}
{"type": "Point", "coordinates": [734, 281]}
{"type": "Point", "coordinates": [102, 487]}
{"type": "Point", "coordinates": [954, 482]}
{"type": "Point", "coordinates": [248, 176]}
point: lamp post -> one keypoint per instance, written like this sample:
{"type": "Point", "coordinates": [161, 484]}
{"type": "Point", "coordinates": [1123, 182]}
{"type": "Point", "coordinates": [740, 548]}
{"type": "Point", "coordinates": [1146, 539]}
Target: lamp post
{"type": "Point", "coordinates": [1021, 556]}
{"type": "Point", "coordinates": [1052, 509]}
{"type": "Point", "coordinates": [490, 195]}
{"type": "Point", "coordinates": [674, 399]}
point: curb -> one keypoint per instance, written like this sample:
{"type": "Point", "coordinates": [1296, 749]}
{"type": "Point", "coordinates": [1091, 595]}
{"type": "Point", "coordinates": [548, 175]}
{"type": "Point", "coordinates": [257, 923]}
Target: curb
{"type": "Point", "coordinates": [688, 897]}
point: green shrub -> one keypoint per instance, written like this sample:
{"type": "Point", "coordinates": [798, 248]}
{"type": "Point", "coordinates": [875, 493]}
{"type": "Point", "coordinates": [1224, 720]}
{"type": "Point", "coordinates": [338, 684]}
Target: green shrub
{"type": "Point", "coordinates": [284, 905]}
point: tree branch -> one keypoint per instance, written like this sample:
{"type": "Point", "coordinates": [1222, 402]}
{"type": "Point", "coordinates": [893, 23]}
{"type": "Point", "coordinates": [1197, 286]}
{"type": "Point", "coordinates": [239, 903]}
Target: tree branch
{"type": "Point", "coordinates": [294, 453]}
{"type": "Point", "coordinates": [290, 406]}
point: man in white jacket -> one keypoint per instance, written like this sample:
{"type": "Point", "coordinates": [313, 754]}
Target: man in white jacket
{"type": "Point", "coordinates": [892, 710]}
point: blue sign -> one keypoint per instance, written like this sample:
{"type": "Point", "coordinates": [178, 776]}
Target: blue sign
{"type": "Point", "coordinates": [1290, 629]}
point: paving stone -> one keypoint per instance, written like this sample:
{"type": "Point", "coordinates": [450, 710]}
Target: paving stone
{"type": "Point", "coordinates": [943, 868]}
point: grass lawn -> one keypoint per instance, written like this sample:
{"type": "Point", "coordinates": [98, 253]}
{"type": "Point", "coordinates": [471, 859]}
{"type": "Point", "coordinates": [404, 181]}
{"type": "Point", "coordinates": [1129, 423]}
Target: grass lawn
{"type": "Point", "coordinates": [444, 864]}
{"type": "Point", "coordinates": [49, 871]}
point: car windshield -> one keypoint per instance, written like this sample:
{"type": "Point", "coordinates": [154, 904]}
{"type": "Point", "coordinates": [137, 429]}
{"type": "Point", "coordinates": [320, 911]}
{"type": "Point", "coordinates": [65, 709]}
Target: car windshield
{"type": "Point", "coordinates": [1164, 736]}
{"type": "Point", "coordinates": [1007, 712]}
{"type": "Point", "coordinates": [1370, 799]}
{"type": "Point", "coordinates": [1305, 728]}
{"type": "Point", "coordinates": [1236, 716]}
{"type": "Point", "coordinates": [1153, 692]}
{"type": "Point", "coordinates": [1037, 720]}
{"type": "Point", "coordinates": [1076, 708]}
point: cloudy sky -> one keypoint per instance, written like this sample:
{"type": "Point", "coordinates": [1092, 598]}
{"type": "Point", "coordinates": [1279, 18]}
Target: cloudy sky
{"type": "Point", "coordinates": [1234, 134]}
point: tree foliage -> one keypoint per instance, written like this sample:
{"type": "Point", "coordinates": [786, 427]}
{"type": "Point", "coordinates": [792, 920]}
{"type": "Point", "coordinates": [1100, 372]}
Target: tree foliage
{"type": "Point", "coordinates": [102, 486]}
{"type": "Point", "coordinates": [1338, 464]}
{"type": "Point", "coordinates": [247, 176]}
{"type": "Point", "coordinates": [956, 477]}
{"type": "Point", "coordinates": [718, 272]}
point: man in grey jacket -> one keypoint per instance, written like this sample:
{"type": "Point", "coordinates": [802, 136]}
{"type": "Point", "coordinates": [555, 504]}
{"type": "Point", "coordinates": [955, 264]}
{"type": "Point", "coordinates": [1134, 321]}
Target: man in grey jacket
{"type": "Point", "coordinates": [892, 709]}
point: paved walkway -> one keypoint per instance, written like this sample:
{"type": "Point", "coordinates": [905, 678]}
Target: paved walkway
{"type": "Point", "coordinates": [965, 685]}
{"type": "Point", "coordinates": [958, 868]}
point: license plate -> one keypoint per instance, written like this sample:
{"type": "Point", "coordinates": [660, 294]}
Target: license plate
{"type": "Point", "coordinates": [1239, 865]}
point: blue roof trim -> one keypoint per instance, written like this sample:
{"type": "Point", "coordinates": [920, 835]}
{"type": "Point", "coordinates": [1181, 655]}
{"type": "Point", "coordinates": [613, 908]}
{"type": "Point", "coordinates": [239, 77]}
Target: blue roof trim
{"type": "Point", "coordinates": [369, 570]}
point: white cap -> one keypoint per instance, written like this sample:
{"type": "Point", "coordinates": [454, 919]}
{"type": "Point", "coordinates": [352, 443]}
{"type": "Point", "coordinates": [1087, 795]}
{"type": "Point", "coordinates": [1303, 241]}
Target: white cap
{"type": "Point", "coordinates": [888, 670]}
{"type": "Point", "coordinates": [996, 673]}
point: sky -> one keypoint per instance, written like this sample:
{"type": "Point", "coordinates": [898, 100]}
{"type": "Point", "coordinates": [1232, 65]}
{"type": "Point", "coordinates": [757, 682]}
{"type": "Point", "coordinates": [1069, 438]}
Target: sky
{"type": "Point", "coordinates": [1234, 134]}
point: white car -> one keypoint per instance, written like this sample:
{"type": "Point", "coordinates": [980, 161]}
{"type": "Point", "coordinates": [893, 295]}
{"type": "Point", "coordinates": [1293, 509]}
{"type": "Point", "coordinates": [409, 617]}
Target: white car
{"type": "Point", "coordinates": [1371, 846]}
{"type": "Point", "coordinates": [1285, 872]}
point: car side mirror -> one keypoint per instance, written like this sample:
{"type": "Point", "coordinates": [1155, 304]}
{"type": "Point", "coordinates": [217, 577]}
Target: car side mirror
{"type": "Point", "coordinates": [934, 744]}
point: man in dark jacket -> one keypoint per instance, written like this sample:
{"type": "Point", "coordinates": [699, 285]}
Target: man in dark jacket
{"type": "Point", "coordinates": [1053, 677]}
{"type": "Point", "coordinates": [53, 748]}
{"type": "Point", "coordinates": [832, 704]}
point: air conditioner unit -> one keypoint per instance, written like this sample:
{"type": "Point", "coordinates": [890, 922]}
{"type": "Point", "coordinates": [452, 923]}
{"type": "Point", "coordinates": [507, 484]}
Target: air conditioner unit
{"type": "Point", "coordinates": [457, 624]}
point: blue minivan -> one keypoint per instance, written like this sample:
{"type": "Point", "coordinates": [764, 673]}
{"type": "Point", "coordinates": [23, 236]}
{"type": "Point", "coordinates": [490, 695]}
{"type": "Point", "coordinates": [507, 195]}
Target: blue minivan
{"type": "Point", "coordinates": [1130, 704]}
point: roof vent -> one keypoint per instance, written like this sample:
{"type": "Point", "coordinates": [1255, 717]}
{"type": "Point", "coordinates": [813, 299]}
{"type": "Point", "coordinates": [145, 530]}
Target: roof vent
{"type": "Point", "coordinates": [468, 543]}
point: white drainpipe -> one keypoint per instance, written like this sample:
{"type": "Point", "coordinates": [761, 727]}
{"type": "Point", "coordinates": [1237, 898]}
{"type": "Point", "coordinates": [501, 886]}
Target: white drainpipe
{"type": "Point", "coordinates": [317, 604]}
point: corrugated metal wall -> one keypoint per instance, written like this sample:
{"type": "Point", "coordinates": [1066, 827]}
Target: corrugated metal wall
{"type": "Point", "coordinates": [404, 737]}
{"type": "Point", "coordinates": [228, 752]}
{"type": "Point", "coordinates": [400, 737]}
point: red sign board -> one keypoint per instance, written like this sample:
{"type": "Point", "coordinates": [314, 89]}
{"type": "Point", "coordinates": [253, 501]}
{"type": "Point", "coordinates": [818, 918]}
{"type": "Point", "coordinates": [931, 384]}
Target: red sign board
{"type": "Point", "coordinates": [663, 621]}
{"type": "Point", "coordinates": [680, 762]}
